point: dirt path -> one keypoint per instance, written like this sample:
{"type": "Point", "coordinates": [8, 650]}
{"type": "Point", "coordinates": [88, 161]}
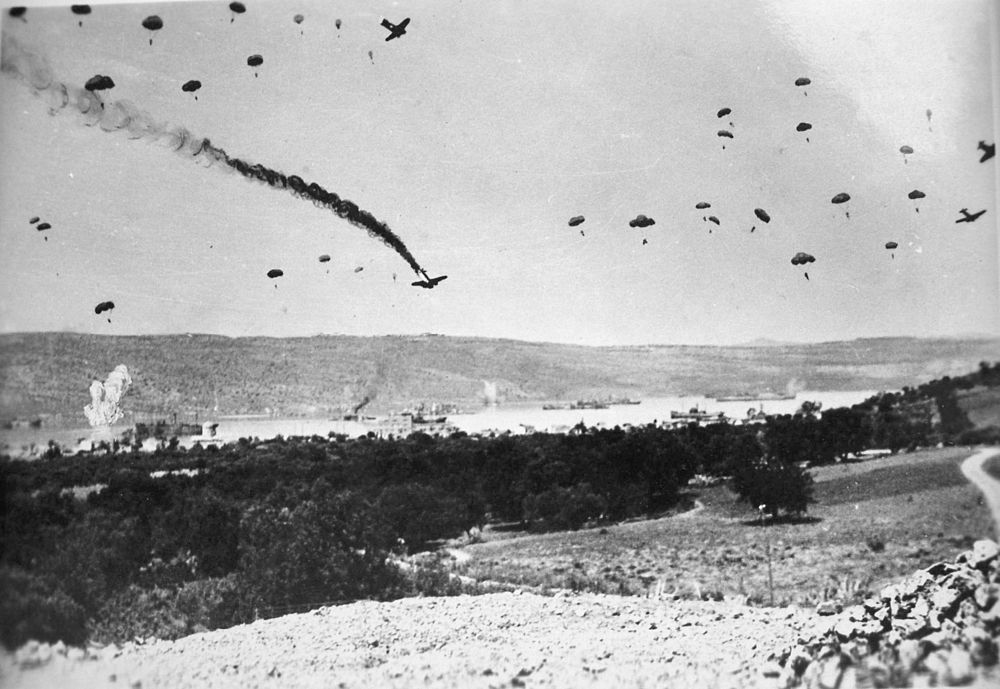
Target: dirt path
{"type": "Point", "coordinates": [973, 470]}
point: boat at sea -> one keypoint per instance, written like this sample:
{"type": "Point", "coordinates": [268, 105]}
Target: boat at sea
{"type": "Point", "coordinates": [756, 397]}
{"type": "Point", "coordinates": [614, 401]}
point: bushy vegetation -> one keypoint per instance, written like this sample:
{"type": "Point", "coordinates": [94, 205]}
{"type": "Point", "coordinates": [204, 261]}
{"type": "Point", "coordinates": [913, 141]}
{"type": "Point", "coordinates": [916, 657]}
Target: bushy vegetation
{"type": "Point", "coordinates": [262, 528]}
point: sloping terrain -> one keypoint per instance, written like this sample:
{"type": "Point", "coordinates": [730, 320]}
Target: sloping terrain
{"type": "Point", "coordinates": [49, 373]}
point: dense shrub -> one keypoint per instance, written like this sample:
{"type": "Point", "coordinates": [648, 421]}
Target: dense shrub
{"type": "Point", "coordinates": [776, 485]}
{"type": "Point", "coordinates": [33, 607]}
{"type": "Point", "coordinates": [564, 508]}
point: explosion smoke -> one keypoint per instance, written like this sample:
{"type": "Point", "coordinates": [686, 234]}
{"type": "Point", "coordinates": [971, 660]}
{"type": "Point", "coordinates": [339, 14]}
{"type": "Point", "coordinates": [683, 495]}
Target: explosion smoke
{"type": "Point", "coordinates": [122, 115]}
{"type": "Point", "coordinates": [105, 399]}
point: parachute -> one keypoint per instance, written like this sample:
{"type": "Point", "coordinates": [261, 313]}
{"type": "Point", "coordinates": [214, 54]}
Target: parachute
{"type": "Point", "coordinates": [104, 306]}
{"type": "Point", "coordinates": [714, 219]}
{"type": "Point", "coordinates": [576, 220]}
{"type": "Point", "coordinates": [762, 214]}
{"type": "Point", "coordinates": [905, 150]}
{"type": "Point", "coordinates": [255, 61]}
{"type": "Point", "coordinates": [702, 205]}
{"type": "Point", "coordinates": [337, 23]}
{"type": "Point", "coordinates": [237, 8]}
{"type": "Point", "coordinates": [916, 195]}
{"type": "Point", "coordinates": [641, 221]}
{"type": "Point", "coordinates": [802, 258]}
{"type": "Point", "coordinates": [80, 10]}
{"type": "Point", "coordinates": [41, 227]}
{"type": "Point", "coordinates": [842, 198]}
{"type": "Point", "coordinates": [803, 127]}
{"type": "Point", "coordinates": [803, 81]}
{"type": "Point", "coordinates": [99, 82]}
{"type": "Point", "coordinates": [153, 23]}
{"type": "Point", "coordinates": [34, 219]}
{"type": "Point", "coordinates": [298, 19]}
{"type": "Point", "coordinates": [191, 87]}
{"type": "Point", "coordinates": [325, 258]}
{"type": "Point", "coordinates": [890, 246]}
{"type": "Point", "coordinates": [359, 269]}
{"type": "Point", "coordinates": [17, 12]}
{"type": "Point", "coordinates": [275, 273]}
{"type": "Point", "coordinates": [724, 133]}
{"type": "Point", "coordinates": [722, 113]}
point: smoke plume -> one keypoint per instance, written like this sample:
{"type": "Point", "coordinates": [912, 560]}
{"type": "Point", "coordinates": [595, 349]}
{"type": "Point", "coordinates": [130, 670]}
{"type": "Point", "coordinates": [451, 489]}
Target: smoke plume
{"type": "Point", "coordinates": [124, 116]}
{"type": "Point", "coordinates": [105, 399]}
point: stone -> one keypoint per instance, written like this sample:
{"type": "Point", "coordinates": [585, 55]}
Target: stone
{"type": "Point", "coordinates": [944, 600]}
{"type": "Point", "coordinates": [986, 596]}
{"type": "Point", "coordinates": [984, 552]}
{"type": "Point", "coordinates": [959, 667]}
{"type": "Point", "coordinates": [939, 569]}
{"type": "Point", "coordinates": [846, 629]}
{"type": "Point", "coordinates": [828, 607]}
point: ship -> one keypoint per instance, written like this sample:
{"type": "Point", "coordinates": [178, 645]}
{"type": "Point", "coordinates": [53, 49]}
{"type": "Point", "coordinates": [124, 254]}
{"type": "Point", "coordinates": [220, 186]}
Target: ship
{"type": "Point", "coordinates": [756, 397]}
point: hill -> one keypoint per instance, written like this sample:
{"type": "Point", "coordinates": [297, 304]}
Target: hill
{"type": "Point", "coordinates": [48, 374]}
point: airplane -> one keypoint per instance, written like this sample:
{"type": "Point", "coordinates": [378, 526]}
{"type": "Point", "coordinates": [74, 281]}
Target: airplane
{"type": "Point", "coordinates": [428, 282]}
{"type": "Point", "coordinates": [989, 150]}
{"type": "Point", "coordinates": [969, 217]}
{"type": "Point", "coordinates": [396, 29]}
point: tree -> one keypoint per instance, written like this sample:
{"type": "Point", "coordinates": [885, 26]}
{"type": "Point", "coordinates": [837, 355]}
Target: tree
{"type": "Point", "coordinates": [774, 484]}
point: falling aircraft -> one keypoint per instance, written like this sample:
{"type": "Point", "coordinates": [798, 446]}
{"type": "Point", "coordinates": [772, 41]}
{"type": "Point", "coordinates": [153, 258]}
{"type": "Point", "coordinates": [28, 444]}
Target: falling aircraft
{"type": "Point", "coordinates": [429, 282]}
{"type": "Point", "coordinates": [989, 150]}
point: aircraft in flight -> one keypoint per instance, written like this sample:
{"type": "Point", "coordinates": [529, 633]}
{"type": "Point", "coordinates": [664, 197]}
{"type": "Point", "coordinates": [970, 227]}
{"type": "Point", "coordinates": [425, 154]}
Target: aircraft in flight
{"type": "Point", "coordinates": [429, 282]}
{"type": "Point", "coordinates": [969, 217]}
{"type": "Point", "coordinates": [396, 30]}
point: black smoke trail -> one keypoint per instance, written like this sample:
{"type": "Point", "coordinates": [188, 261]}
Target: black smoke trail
{"type": "Point", "coordinates": [122, 115]}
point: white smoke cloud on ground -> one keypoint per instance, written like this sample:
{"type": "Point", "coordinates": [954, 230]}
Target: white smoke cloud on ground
{"type": "Point", "coordinates": [106, 398]}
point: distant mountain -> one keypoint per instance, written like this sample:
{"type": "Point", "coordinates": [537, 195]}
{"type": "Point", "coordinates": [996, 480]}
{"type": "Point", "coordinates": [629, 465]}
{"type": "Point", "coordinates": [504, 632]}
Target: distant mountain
{"type": "Point", "coordinates": [50, 373]}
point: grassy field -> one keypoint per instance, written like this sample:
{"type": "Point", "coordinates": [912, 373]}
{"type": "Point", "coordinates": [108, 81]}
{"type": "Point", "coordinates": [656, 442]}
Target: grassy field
{"type": "Point", "coordinates": [872, 522]}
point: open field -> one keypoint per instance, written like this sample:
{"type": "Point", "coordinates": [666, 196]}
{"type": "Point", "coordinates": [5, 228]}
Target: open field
{"type": "Point", "coordinates": [872, 522]}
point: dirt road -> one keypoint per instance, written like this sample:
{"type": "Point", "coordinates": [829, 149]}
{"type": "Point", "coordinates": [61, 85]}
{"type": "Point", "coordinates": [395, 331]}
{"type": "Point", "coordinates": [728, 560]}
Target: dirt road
{"type": "Point", "coordinates": [973, 470]}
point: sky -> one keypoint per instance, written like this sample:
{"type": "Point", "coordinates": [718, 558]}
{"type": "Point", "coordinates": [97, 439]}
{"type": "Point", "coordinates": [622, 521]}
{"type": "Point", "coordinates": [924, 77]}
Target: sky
{"type": "Point", "coordinates": [477, 135]}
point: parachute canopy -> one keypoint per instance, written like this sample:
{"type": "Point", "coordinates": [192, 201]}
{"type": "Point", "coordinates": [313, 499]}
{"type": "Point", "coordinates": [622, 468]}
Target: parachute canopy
{"type": "Point", "coordinates": [723, 132]}
{"type": "Point", "coordinates": [802, 258]}
{"type": "Point", "coordinates": [80, 9]}
{"type": "Point", "coordinates": [337, 23]}
{"type": "Point", "coordinates": [803, 81]}
{"type": "Point", "coordinates": [841, 198]}
{"type": "Point", "coordinates": [298, 19]}
{"type": "Point", "coordinates": [576, 220]}
{"type": "Point", "coordinates": [41, 227]}
{"type": "Point", "coordinates": [762, 214]}
{"type": "Point", "coordinates": [641, 221]}
{"type": "Point", "coordinates": [803, 127]}
{"type": "Point", "coordinates": [191, 86]}
{"type": "Point", "coordinates": [17, 11]}
{"type": "Point", "coordinates": [153, 22]}
{"type": "Point", "coordinates": [275, 273]}
{"type": "Point", "coordinates": [906, 150]}
{"type": "Point", "coordinates": [237, 7]}
{"type": "Point", "coordinates": [702, 205]}
{"type": "Point", "coordinates": [34, 219]}
{"type": "Point", "coordinates": [104, 306]}
{"type": "Point", "coordinates": [723, 112]}
{"type": "Point", "coordinates": [359, 269]}
{"type": "Point", "coordinates": [714, 219]}
{"type": "Point", "coordinates": [325, 258]}
{"type": "Point", "coordinates": [891, 245]}
{"type": "Point", "coordinates": [99, 82]}
{"type": "Point", "coordinates": [916, 194]}
{"type": "Point", "coordinates": [255, 60]}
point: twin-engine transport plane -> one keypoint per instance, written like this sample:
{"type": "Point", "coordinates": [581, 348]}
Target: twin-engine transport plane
{"type": "Point", "coordinates": [428, 282]}
{"type": "Point", "coordinates": [396, 29]}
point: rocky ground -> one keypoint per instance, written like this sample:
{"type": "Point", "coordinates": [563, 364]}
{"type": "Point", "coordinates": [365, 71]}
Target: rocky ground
{"type": "Point", "coordinates": [503, 639]}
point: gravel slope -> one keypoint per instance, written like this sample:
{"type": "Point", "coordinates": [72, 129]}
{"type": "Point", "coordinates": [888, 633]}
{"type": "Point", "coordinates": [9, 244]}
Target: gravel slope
{"type": "Point", "coordinates": [503, 639]}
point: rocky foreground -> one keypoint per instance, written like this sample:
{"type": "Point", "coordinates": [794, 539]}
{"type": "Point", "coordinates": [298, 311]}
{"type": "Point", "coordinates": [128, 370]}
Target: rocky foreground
{"type": "Point", "coordinates": [938, 627]}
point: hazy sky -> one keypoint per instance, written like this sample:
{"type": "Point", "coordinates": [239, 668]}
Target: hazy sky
{"type": "Point", "coordinates": [477, 135]}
